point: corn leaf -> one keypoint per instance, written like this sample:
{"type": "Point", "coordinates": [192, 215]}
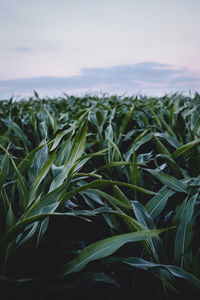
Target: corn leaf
{"type": "Point", "coordinates": [105, 248]}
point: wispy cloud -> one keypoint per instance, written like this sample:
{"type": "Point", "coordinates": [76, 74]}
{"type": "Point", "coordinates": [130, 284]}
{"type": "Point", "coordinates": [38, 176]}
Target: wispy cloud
{"type": "Point", "coordinates": [22, 49]}
{"type": "Point", "coordinates": [31, 45]}
{"type": "Point", "coordinates": [141, 77]}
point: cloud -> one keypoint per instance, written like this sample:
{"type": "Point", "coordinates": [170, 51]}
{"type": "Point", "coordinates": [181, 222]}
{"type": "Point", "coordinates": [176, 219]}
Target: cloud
{"type": "Point", "coordinates": [32, 45]}
{"type": "Point", "coordinates": [142, 77]}
{"type": "Point", "coordinates": [22, 49]}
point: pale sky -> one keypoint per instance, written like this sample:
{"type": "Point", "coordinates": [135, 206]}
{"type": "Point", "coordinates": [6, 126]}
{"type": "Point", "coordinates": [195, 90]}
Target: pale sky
{"type": "Point", "coordinates": [57, 46]}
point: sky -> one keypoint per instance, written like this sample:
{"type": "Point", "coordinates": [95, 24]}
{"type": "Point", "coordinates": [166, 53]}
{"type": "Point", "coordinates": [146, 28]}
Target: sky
{"type": "Point", "coordinates": [109, 46]}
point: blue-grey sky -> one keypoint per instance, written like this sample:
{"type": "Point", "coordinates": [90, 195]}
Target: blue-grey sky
{"type": "Point", "coordinates": [115, 46]}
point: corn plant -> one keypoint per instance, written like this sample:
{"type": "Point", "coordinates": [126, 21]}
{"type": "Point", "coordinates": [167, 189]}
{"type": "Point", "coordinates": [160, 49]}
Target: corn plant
{"type": "Point", "coordinates": [100, 193]}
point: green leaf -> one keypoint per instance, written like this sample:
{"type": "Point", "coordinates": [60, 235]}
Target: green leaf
{"type": "Point", "coordinates": [120, 195]}
{"type": "Point", "coordinates": [41, 175]}
{"type": "Point", "coordinates": [27, 161]}
{"type": "Point", "coordinates": [174, 270]}
{"type": "Point", "coordinates": [172, 164]}
{"type": "Point", "coordinates": [134, 172]}
{"type": "Point", "coordinates": [141, 140]}
{"type": "Point", "coordinates": [195, 121]}
{"type": "Point", "coordinates": [169, 129]}
{"type": "Point", "coordinates": [78, 145]}
{"type": "Point", "coordinates": [115, 147]}
{"type": "Point", "coordinates": [99, 184]}
{"type": "Point", "coordinates": [131, 222]}
{"type": "Point", "coordinates": [128, 117]}
{"type": "Point", "coordinates": [135, 176]}
{"type": "Point", "coordinates": [85, 175]}
{"type": "Point", "coordinates": [105, 248]}
{"type": "Point", "coordinates": [161, 148]}
{"type": "Point", "coordinates": [112, 200]}
{"type": "Point", "coordinates": [10, 219]}
{"type": "Point", "coordinates": [146, 220]}
{"type": "Point", "coordinates": [18, 131]}
{"type": "Point", "coordinates": [75, 153]}
{"type": "Point", "coordinates": [100, 117]}
{"type": "Point", "coordinates": [52, 120]}
{"type": "Point", "coordinates": [170, 181]}
{"type": "Point", "coordinates": [183, 240]}
{"type": "Point", "coordinates": [178, 213]}
{"type": "Point", "coordinates": [59, 137]}
{"type": "Point", "coordinates": [137, 143]}
{"type": "Point", "coordinates": [185, 148]}
{"type": "Point", "coordinates": [46, 204]}
{"type": "Point", "coordinates": [169, 139]}
{"type": "Point", "coordinates": [142, 216]}
{"type": "Point", "coordinates": [21, 181]}
{"type": "Point", "coordinates": [156, 205]}
{"type": "Point", "coordinates": [4, 171]}
{"type": "Point", "coordinates": [114, 164]}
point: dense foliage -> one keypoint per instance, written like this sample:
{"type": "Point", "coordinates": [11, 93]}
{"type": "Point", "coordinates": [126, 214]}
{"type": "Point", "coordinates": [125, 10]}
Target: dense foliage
{"type": "Point", "coordinates": [99, 197]}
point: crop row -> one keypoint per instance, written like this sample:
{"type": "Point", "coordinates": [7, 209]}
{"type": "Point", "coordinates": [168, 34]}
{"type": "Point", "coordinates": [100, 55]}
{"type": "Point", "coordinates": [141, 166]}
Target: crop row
{"type": "Point", "coordinates": [100, 195]}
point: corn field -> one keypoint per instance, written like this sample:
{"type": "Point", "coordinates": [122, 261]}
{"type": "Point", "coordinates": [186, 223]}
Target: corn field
{"type": "Point", "coordinates": [99, 197]}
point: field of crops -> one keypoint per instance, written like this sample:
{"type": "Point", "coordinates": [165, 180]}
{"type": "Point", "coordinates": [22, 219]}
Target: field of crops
{"type": "Point", "coordinates": [99, 198]}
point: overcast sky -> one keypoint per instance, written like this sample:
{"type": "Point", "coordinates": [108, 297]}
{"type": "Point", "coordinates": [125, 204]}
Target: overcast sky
{"type": "Point", "coordinates": [125, 46]}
